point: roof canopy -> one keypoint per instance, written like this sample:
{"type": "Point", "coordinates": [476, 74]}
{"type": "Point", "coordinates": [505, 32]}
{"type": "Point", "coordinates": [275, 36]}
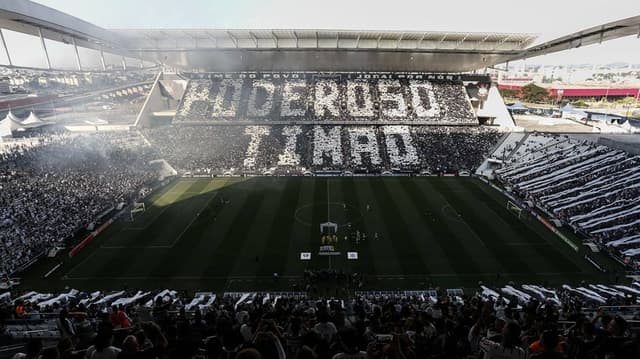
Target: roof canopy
{"type": "Point", "coordinates": [518, 106]}
{"type": "Point", "coordinates": [567, 108]}
{"type": "Point", "coordinates": [466, 50]}
{"type": "Point", "coordinates": [180, 39]}
{"type": "Point", "coordinates": [33, 119]}
{"type": "Point", "coordinates": [5, 131]}
{"type": "Point", "coordinates": [8, 125]}
{"type": "Point", "coordinates": [13, 117]}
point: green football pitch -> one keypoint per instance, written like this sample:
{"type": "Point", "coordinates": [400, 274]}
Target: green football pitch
{"type": "Point", "coordinates": [231, 234]}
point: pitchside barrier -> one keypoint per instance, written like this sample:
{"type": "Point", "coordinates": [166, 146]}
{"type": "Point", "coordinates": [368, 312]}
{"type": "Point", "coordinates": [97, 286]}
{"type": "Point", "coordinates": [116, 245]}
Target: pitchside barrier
{"type": "Point", "coordinates": [553, 229]}
{"type": "Point", "coordinates": [89, 238]}
{"type": "Point", "coordinates": [245, 297]}
{"type": "Point", "coordinates": [624, 261]}
{"type": "Point", "coordinates": [595, 264]}
{"type": "Point", "coordinates": [262, 294]}
{"type": "Point", "coordinates": [430, 293]}
{"type": "Point", "coordinates": [24, 267]}
{"type": "Point", "coordinates": [394, 173]}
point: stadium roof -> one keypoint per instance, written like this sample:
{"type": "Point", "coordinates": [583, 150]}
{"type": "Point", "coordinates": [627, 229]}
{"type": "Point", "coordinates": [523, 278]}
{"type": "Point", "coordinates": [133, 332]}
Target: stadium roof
{"type": "Point", "coordinates": [331, 50]}
{"type": "Point", "coordinates": [593, 35]}
{"type": "Point", "coordinates": [32, 18]}
{"type": "Point", "coordinates": [181, 39]}
{"type": "Point", "coordinates": [323, 50]}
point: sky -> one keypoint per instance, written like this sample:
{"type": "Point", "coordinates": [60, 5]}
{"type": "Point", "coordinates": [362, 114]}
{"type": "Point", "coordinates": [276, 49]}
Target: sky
{"type": "Point", "coordinates": [547, 18]}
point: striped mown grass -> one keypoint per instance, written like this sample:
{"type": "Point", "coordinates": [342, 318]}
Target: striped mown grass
{"type": "Point", "coordinates": [234, 233]}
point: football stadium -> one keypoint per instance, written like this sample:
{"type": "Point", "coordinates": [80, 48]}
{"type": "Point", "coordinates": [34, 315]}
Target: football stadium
{"type": "Point", "coordinates": [209, 193]}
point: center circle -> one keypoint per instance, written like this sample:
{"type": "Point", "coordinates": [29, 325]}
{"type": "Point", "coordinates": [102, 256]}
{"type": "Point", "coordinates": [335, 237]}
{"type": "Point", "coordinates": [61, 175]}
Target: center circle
{"type": "Point", "coordinates": [336, 212]}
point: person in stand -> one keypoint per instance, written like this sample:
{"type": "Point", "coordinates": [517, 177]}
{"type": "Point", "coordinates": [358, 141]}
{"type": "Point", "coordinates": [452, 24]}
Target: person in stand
{"type": "Point", "coordinates": [65, 326]}
{"type": "Point", "coordinates": [33, 350]}
{"type": "Point", "coordinates": [119, 318]}
{"type": "Point", "coordinates": [325, 329]}
{"type": "Point", "coordinates": [102, 347]}
{"type": "Point", "coordinates": [348, 342]}
{"type": "Point", "coordinates": [508, 347]}
{"type": "Point", "coordinates": [20, 310]}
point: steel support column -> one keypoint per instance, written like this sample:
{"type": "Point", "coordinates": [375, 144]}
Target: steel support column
{"type": "Point", "coordinates": [44, 48]}
{"type": "Point", "coordinates": [75, 48]}
{"type": "Point", "coordinates": [6, 49]}
{"type": "Point", "coordinates": [104, 65]}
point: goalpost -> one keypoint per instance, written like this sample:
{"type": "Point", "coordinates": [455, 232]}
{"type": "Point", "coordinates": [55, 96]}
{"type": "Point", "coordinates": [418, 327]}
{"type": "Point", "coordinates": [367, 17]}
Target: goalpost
{"type": "Point", "coordinates": [514, 208]}
{"type": "Point", "coordinates": [138, 207]}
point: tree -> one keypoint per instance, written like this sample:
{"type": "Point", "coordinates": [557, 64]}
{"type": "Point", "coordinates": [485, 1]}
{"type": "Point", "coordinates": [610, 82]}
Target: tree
{"type": "Point", "coordinates": [509, 93]}
{"type": "Point", "coordinates": [534, 93]}
{"type": "Point", "coordinates": [580, 104]}
{"type": "Point", "coordinates": [629, 100]}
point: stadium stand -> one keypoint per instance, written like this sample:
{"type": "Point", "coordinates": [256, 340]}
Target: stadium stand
{"type": "Point", "coordinates": [591, 188]}
{"type": "Point", "coordinates": [61, 185]}
{"type": "Point", "coordinates": [216, 150]}
{"type": "Point", "coordinates": [103, 170]}
{"type": "Point", "coordinates": [48, 82]}
{"type": "Point", "coordinates": [234, 127]}
{"type": "Point", "coordinates": [325, 97]}
{"type": "Point", "coordinates": [594, 321]}
{"type": "Point", "coordinates": [283, 140]}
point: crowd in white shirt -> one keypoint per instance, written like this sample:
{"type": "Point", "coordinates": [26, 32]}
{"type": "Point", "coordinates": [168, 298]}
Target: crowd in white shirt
{"type": "Point", "coordinates": [332, 98]}
{"type": "Point", "coordinates": [51, 190]}
{"type": "Point", "coordinates": [305, 149]}
{"type": "Point", "coordinates": [594, 189]}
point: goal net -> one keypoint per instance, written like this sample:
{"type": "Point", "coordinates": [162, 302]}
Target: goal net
{"type": "Point", "coordinates": [138, 207]}
{"type": "Point", "coordinates": [514, 208]}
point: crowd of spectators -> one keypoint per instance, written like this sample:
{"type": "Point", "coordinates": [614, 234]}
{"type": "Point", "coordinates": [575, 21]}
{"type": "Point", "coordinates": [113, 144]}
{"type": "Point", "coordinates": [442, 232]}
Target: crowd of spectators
{"type": "Point", "coordinates": [228, 149]}
{"type": "Point", "coordinates": [330, 98]}
{"type": "Point", "coordinates": [594, 189]}
{"type": "Point", "coordinates": [50, 190]}
{"type": "Point", "coordinates": [292, 325]}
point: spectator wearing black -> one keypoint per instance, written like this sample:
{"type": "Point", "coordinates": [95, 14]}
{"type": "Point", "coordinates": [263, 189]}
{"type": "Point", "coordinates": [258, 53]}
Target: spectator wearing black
{"type": "Point", "coordinates": [33, 350]}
